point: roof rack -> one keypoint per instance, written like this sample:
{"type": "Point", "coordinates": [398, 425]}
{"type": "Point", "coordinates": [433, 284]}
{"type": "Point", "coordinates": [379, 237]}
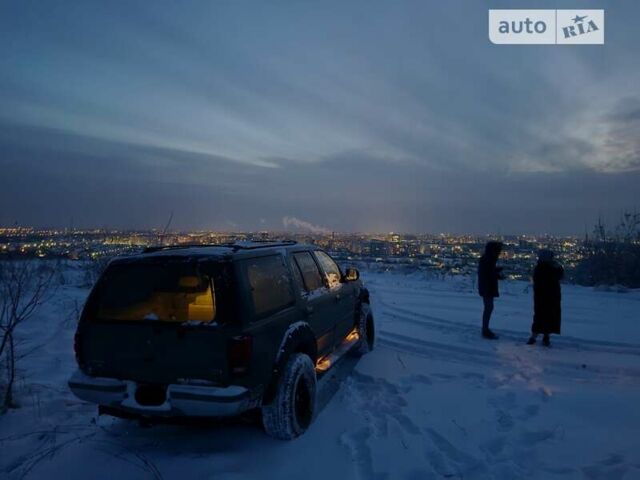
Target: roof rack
{"type": "Point", "coordinates": [158, 248]}
{"type": "Point", "coordinates": [253, 244]}
{"type": "Point", "coordinates": [235, 246]}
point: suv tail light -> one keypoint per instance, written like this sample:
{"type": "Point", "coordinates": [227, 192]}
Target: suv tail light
{"type": "Point", "coordinates": [239, 354]}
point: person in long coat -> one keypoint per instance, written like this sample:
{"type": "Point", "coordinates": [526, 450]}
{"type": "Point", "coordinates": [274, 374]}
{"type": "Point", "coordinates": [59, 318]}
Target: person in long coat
{"type": "Point", "coordinates": [547, 311]}
{"type": "Point", "coordinates": [488, 275]}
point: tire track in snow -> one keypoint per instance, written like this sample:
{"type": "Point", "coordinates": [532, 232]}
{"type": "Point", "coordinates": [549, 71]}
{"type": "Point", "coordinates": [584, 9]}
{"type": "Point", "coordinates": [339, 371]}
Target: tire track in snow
{"type": "Point", "coordinates": [451, 326]}
{"type": "Point", "coordinates": [449, 352]}
{"type": "Point", "coordinates": [435, 350]}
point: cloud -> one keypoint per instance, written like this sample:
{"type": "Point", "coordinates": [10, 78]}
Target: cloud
{"type": "Point", "coordinates": [621, 142]}
{"type": "Point", "coordinates": [184, 109]}
{"type": "Point", "coordinates": [303, 225]}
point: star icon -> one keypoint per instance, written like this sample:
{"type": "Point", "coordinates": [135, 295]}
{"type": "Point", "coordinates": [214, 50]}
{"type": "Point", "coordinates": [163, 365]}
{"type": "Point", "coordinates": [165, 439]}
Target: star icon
{"type": "Point", "coordinates": [577, 19]}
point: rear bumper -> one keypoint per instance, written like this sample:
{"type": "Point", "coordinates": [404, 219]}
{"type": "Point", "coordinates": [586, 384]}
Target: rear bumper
{"type": "Point", "coordinates": [180, 400]}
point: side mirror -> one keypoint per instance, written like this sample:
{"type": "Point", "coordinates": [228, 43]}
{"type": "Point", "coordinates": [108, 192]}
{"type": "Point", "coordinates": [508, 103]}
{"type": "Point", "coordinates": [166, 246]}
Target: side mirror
{"type": "Point", "coordinates": [351, 275]}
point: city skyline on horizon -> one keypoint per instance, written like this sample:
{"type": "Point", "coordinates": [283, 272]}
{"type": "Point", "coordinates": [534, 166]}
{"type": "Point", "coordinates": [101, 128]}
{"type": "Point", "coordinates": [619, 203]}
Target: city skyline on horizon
{"type": "Point", "coordinates": [291, 231]}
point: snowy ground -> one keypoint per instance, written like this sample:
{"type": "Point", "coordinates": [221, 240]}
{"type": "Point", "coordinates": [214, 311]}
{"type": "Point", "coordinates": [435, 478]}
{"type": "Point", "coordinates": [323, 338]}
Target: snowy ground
{"type": "Point", "coordinates": [433, 400]}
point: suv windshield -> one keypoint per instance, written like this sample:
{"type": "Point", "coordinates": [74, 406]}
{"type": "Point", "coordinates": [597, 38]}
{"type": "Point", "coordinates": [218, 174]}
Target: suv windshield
{"type": "Point", "coordinates": [169, 292]}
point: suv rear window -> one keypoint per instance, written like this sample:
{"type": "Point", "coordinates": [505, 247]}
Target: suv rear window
{"type": "Point", "coordinates": [168, 292]}
{"type": "Point", "coordinates": [270, 284]}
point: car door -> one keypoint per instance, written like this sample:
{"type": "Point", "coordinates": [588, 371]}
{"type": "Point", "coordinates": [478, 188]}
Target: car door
{"type": "Point", "coordinates": [270, 306]}
{"type": "Point", "coordinates": [317, 303]}
{"type": "Point", "coordinates": [343, 295]}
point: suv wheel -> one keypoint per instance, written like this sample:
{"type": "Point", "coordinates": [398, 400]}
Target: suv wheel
{"type": "Point", "coordinates": [366, 331]}
{"type": "Point", "coordinates": [292, 409]}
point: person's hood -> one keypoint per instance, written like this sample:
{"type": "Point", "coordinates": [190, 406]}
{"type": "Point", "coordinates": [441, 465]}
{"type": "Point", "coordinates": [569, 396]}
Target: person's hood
{"type": "Point", "coordinates": [492, 249]}
{"type": "Point", "coordinates": [545, 255]}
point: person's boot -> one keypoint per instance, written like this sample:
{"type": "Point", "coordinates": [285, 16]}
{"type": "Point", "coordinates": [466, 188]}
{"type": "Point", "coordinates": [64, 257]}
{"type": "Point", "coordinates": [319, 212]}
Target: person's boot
{"type": "Point", "coordinates": [531, 341]}
{"type": "Point", "coordinates": [486, 333]}
{"type": "Point", "coordinates": [546, 341]}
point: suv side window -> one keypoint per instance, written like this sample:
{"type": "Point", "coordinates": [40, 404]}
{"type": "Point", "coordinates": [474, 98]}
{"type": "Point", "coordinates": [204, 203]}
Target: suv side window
{"type": "Point", "coordinates": [270, 284]}
{"type": "Point", "coordinates": [297, 276]}
{"type": "Point", "coordinates": [331, 269]}
{"type": "Point", "coordinates": [309, 269]}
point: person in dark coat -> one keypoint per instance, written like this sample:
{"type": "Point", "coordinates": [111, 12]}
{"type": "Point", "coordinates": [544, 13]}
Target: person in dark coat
{"type": "Point", "coordinates": [488, 275]}
{"type": "Point", "coordinates": [546, 297]}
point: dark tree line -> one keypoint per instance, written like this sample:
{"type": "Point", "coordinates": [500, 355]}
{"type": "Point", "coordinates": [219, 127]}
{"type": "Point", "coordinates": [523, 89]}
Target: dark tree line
{"type": "Point", "coordinates": [612, 257]}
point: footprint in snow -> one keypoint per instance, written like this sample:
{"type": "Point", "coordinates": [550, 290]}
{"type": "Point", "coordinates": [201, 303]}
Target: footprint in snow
{"type": "Point", "coordinates": [357, 443]}
{"type": "Point", "coordinates": [444, 376]}
{"type": "Point", "coordinates": [377, 401]}
{"type": "Point", "coordinates": [531, 438]}
{"type": "Point", "coordinates": [611, 468]}
{"type": "Point", "coordinates": [495, 446]}
{"type": "Point", "coordinates": [411, 380]}
{"type": "Point", "coordinates": [418, 474]}
{"type": "Point", "coordinates": [504, 405]}
{"type": "Point", "coordinates": [529, 412]}
{"type": "Point", "coordinates": [505, 420]}
{"type": "Point", "coordinates": [449, 461]}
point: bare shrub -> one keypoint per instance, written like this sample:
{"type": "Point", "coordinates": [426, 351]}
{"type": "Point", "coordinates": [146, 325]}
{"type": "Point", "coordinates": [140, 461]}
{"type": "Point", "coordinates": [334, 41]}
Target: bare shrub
{"type": "Point", "coordinates": [93, 269]}
{"type": "Point", "coordinates": [24, 286]}
{"type": "Point", "coordinates": [612, 257]}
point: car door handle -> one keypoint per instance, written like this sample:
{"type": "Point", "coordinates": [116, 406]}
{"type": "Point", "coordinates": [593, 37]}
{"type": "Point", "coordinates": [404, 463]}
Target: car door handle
{"type": "Point", "coordinates": [338, 297]}
{"type": "Point", "coordinates": [309, 310]}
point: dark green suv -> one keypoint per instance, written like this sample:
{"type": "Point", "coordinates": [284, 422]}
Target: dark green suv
{"type": "Point", "coordinates": [218, 330]}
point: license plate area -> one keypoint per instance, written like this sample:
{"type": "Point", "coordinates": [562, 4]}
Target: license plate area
{"type": "Point", "coordinates": [151, 395]}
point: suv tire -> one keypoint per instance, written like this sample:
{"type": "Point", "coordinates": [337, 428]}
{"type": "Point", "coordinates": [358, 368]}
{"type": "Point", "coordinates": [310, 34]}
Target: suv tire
{"type": "Point", "coordinates": [366, 331]}
{"type": "Point", "coordinates": [291, 411]}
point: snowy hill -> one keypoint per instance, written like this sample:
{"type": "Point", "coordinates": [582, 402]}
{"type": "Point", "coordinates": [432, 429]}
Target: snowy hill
{"type": "Point", "coordinates": [434, 400]}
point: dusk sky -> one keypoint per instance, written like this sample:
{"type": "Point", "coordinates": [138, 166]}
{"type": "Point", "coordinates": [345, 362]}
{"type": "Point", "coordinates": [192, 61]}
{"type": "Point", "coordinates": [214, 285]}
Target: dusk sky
{"type": "Point", "coordinates": [352, 116]}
